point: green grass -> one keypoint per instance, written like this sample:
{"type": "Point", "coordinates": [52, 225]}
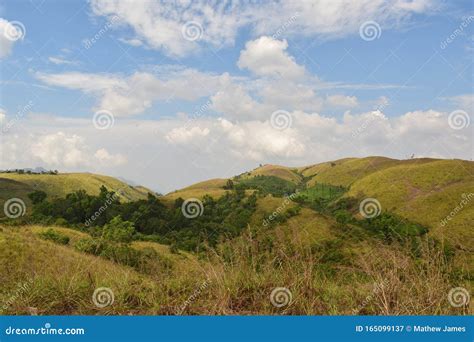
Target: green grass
{"type": "Point", "coordinates": [330, 267]}
{"type": "Point", "coordinates": [62, 184]}
{"type": "Point", "coordinates": [426, 193]}
{"type": "Point", "coordinates": [321, 191]}
{"type": "Point", "coordinates": [267, 185]}
{"type": "Point", "coordinates": [282, 172]}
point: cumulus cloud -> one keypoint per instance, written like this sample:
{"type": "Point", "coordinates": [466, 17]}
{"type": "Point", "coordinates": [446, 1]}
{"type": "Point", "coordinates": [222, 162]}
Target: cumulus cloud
{"type": "Point", "coordinates": [104, 157]}
{"type": "Point", "coordinates": [60, 150]}
{"type": "Point", "coordinates": [259, 140]}
{"type": "Point", "coordinates": [183, 135]}
{"type": "Point", "coordinates": [160, 25]}
{"type": "Point", "coordinates": [134, 94]}
{"type": "Point", "coordinates": [183, 152]}
{"type": "Point", "coordinates": [235, 102]}
{"type": "Point", "coordinates": [266, 56]}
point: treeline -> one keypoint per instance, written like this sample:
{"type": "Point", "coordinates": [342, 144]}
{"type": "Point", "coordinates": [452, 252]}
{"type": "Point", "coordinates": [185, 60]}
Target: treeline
{"type": "Point", "coordinates": [31, 172]}
{"type": "Point", "coordinates": [150, 219]}
{"type": "Point", "coordinates": [265, 184]}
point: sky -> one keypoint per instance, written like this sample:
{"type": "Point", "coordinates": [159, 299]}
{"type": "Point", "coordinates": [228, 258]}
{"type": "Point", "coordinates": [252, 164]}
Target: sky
{"type": "Point", "coordinates": [169, 93]}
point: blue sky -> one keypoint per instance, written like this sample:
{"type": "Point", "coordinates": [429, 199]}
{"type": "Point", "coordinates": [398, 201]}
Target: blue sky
{"type": "Point", "coordinates": [174, 95]}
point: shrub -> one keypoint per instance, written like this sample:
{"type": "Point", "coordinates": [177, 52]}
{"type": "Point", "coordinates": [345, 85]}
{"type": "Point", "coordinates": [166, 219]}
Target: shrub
{"type": "Point", "coordinates": [55, 236]}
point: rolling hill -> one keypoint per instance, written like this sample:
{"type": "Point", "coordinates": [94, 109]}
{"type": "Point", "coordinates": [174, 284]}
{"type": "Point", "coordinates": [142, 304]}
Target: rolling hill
{"type": "Point", "coordinates": [62, 184]}
{"type": "Point", "coordinates": [330, 262]}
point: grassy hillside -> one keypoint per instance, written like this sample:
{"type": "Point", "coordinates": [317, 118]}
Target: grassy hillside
{"type": "Point", "coordinates": [282, 172]}
{"type": "Point", "coordinates": [346, 171]}
{"type": "Point", "coordinates": [331, 259]}
{"type": "Point", "coordinates": [62, 184]}
{"type": "Point", "coordinates": [327, 271]}
{"type": "Point", "coordinates": [212, 187]}
{"type": "Point", "coordinates": [425, 192]}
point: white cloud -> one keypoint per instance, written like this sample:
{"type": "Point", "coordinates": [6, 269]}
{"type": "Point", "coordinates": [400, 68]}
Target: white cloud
{"type": "Point", "coordinates": [342, 101]}
{"type": "Point", "coordinates": [181, 154]}
{"type": "Point", "coordinates": [465, 101]}
{"type": "Point", "coordinates": [60, 150]}
{"type": "Point", "coordinates": [234, 102]}
{"type": "Point", "coordinates": [104, 157]}
{"type": "Point", "coordinates": [61, 61]}
{"type": "Point", "coordinates": [160, 24]}
{"type": "Point", "coordinates": [184, 135]}
{"type": "Point", "coordinates": [134, 94]}
{"type": "Point", "coordinates": [266, 56]}
{"type": "Point", "coordinates": [132, 42]}
{"type": "Point", "coordinates": [3, 116]}
{"type": "Point", "coordinates": [6, 30]}
{"type": "Point", "coordinates": [259, 140]}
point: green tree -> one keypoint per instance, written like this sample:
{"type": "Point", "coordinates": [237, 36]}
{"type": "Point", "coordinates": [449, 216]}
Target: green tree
{"type": "Point", "coordinates": [118, 230]}
{"type": "Point", "coordinates": [37, 196]}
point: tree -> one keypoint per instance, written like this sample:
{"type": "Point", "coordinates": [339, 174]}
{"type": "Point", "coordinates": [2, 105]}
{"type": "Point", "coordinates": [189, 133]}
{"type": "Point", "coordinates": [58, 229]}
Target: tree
{"type": "Point", "coordinates": [37, 196]}
{"type": "Point", "coordinates": [229, 185]}
{"type": "Point", "coordinates": [118, 230]}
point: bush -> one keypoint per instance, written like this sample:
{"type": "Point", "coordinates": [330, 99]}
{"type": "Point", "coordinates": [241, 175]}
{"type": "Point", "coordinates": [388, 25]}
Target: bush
{"type": "Point", "coordinates": [55, 236]}
{"type": "Point", "coordinates": [118, 230]}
